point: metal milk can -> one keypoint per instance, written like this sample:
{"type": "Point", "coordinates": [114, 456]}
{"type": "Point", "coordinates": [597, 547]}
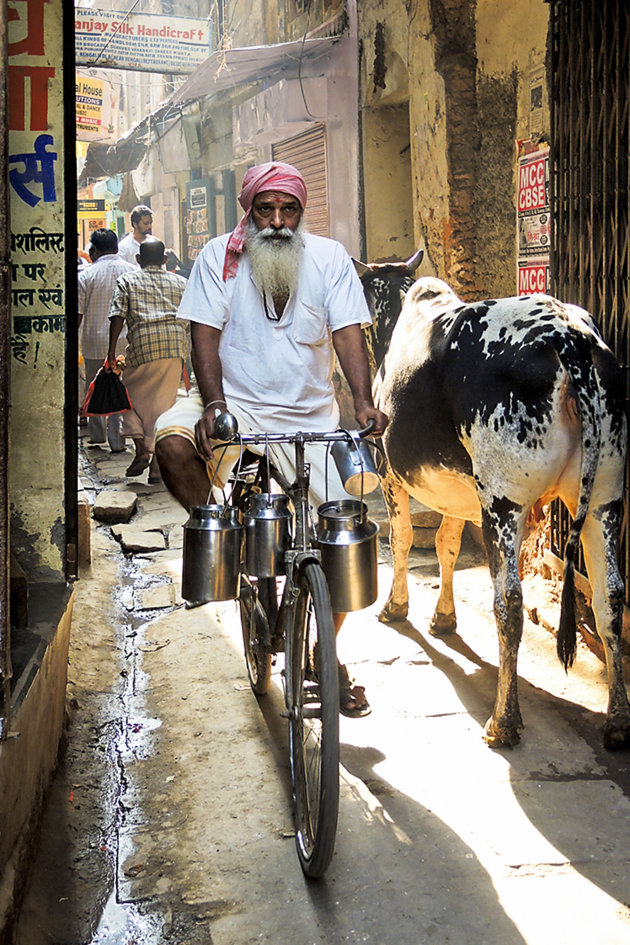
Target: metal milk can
{"type": "Point", "coordinates": [355, 465]}
{"type": "Point", "coordinates": [267, 522]}
{"type": "Point", "coordinates": [347, 541]}
{"type": "Point", "coordinates": [212, 554]}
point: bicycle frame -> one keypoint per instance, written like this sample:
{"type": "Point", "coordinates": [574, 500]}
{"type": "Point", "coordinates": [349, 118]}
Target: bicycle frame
{"type": "Point", "coordinates": [302, 549]}
{"type": "Point", "coordinates": [304, 624]}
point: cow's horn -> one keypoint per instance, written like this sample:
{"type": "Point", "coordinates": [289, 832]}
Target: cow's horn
{"type": "Point", "coordinates": [360, 267]}
{"type": "Point", "coordinates": [414, 261]}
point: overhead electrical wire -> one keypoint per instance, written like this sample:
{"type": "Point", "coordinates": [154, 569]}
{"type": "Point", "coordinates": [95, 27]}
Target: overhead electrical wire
{"type": "Point", "coordinates": [105, 45]}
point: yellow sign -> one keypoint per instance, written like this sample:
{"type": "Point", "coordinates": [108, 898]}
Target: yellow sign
{"type": "Point", "coordinates": [89, 94]}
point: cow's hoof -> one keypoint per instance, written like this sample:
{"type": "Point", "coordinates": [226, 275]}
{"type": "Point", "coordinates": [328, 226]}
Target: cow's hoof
{"type": "Point", "coordinates": [442, 624]}
{"type": "Point", "coordinates": [500, 736]}
{"type": "Point", "coordinates": [393, 613]}
{"type": "Point", "coordinates": [616, 736]}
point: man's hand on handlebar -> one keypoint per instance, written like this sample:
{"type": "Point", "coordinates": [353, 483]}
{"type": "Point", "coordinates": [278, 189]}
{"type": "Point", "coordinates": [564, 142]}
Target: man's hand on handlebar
{"type": "Point", "coordinates": [369, 415]}
{"type": "Point", "coordinates": [214, 424]}
{"type": "Point", "coordinates": [204, 432]}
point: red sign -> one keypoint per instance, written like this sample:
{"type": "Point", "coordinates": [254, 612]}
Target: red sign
{"type": "Point", "coordinates": [533, 276]}
{"type": "Point", "coordinates": [533, 183]}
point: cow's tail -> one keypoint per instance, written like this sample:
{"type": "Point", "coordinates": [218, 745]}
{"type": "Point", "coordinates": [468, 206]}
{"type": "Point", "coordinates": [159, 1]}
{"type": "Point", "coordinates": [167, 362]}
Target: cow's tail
{"type": "Point", "coordinates": [579, 365]}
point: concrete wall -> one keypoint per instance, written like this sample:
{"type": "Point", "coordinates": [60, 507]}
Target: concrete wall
{"type": "Point", "coordinates": [462, 68]}
{"type": "Point", "coordinates": [511, 46]}
{"type": "Point", "coordinates": [27, 760]}
{"type": "Point", "coordinates": [39, 296]}
{"type": "Point", "coordinates": [42, 457]}
{"type": "Point", "coordinates": [248, 23]}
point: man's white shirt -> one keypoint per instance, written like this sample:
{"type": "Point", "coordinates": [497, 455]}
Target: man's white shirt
{"type": "Point", "coordinates": [278, 371]}
{"type": "Point", "coordinates": [129, 247]}
{"type": "Point", "coordinates": [96, 288]}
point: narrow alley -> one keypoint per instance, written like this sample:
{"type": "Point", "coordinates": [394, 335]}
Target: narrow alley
{"type": "Point", "coordinates": [170, 816]}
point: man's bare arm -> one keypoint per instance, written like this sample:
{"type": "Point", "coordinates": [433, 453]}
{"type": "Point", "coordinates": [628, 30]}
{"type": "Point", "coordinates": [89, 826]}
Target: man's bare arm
{"type": "Point", "coordinates": [350, 348]}
{"type": "Point", "coordinates": [209, 375]}
{"type": "Point", "coordinates": [116, 324]}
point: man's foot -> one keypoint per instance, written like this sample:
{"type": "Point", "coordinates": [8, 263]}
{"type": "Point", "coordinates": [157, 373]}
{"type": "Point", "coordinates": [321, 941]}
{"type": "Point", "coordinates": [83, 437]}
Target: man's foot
{"type": "Point", "coordinates": [155, 475]}
{"type": "Point", "coordinates": [352, 701]}
{"type": "Point", "coordinates": [138, 465]}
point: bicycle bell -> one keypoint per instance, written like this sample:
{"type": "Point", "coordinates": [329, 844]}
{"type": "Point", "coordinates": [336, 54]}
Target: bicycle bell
{"type": "Point", "coordinates": [225, 426]}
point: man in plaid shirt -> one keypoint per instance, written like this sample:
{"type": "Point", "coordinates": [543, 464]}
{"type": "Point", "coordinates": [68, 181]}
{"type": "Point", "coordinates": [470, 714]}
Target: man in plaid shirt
{"type": "Point", "coordinates": [147, 299]}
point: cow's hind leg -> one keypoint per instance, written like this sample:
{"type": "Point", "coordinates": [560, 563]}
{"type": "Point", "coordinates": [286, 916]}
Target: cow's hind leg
{"type": "Point", "coordinates": [599, 538]}
{"type": "Point", "coordinates": [503, 525]}
{"type": "Point", "coordinates": [400, 538]}
{"type": "Point", "coordinates": [448, 541]}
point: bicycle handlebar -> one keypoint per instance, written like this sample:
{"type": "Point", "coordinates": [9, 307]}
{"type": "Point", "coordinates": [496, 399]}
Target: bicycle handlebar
{"type": "Point", "coordinates": [226, 430]}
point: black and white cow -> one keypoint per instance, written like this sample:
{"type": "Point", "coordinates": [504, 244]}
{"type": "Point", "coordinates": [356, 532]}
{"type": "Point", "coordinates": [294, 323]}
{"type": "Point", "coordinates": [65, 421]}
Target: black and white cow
{"type": "Point", "coordinates": [384, 284]}
{"type": "Point", "coordinates": [496, 407]}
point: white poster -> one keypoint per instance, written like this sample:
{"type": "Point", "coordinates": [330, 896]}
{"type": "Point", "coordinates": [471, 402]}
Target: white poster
{"type": "Point", "coordinates": [143, 42]}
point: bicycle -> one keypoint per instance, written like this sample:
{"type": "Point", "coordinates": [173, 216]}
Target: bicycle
{"type": "Point", "coordinates": [298, 621]}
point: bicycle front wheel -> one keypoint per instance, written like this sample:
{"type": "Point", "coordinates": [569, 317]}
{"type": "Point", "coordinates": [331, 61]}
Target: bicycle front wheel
{"type": "Point", "coordinates": [314, 722]}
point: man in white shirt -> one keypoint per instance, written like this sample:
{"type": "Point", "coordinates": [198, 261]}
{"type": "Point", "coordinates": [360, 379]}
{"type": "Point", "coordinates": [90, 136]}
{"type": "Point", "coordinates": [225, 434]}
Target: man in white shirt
{"type": "Point", "coordinates": [141, 229]}
{"type": "Point", "coordinates": [96, 289]}
{"type": "Point", "coordinates": [269, 306]}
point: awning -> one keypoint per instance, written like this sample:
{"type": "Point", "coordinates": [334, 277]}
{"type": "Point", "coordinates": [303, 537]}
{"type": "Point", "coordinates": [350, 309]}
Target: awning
{"type": "Point", "coordinates": [230, 68]}
{"type": "Point", "coordinates": [222, 71]}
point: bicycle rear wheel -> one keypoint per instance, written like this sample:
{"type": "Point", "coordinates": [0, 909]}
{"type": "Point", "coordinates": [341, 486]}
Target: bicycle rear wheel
{"type": "Point", "coordinates": [258, 657]}
{"type": "Point", "coordinates": [314, 722]}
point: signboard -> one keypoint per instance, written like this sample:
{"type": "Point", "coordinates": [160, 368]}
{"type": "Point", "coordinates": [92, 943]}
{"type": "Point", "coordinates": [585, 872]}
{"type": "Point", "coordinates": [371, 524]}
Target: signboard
{"type": "Point", "coordinates": [533, 276]}
{"type": "Point", "coordinates": [89, 106]}
{"type": "Point", "coordinates": [90, 206]}
{"type": "Point", "coordinates": [200, 216]}
{"type": "Point", "coordinates": [144, 42]}
{"type": "Point", "coordinates": [533, 223]}
{"type": "Point", "coordinates": [37, 153]}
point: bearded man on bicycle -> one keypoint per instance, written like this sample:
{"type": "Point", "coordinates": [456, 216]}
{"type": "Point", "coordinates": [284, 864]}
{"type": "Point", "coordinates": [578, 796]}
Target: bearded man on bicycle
{"type": "Point", "coordinates": [269, 306]}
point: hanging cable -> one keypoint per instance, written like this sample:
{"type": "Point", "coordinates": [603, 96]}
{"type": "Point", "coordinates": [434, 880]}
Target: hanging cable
{"type": "Point", "coordinates": [308, 111]}
{"type": "Point", "coordinates": [128, 13]}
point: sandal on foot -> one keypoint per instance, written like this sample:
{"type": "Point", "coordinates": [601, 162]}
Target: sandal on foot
{"type": "Point", "coordinates": [352, 701]}
{"type": "Point", "coordinates": [155, 475]}
{"type": "Point", "coordinates": [139, 464]}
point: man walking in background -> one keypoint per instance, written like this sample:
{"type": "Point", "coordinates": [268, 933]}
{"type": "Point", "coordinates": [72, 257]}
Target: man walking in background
{"type": "Point", "coordinates": [96, 289]}
{"type": "Point", "coordinates": [147, 299]}
{"type": "Point", "coordinates": [141, 228]}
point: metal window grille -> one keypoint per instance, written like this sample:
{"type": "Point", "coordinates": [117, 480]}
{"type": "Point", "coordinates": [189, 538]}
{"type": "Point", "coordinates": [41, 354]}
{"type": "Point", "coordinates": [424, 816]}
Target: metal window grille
{"type": "Point", "coordinates": [589, 81]}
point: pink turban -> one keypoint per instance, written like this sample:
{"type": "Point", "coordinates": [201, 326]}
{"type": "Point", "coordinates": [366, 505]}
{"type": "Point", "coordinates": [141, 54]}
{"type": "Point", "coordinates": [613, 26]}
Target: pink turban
{"type": "Point", "coordinates": [272, 176]}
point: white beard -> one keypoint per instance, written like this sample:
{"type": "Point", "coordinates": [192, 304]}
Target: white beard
{"type": "Point", "coordinates": [275, 262]}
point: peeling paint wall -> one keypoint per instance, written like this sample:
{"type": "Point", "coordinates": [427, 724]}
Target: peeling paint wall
{"type": "Point", "coordinates": [462, 68]}
{"type": "Point", "coordinates": [36, 433]}
{"type": "Point", "coordinates": [511, 48]}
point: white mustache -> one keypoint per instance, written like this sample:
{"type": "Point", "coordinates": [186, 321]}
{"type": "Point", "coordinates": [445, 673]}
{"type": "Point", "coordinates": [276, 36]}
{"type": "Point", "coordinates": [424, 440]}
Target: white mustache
{"type": "Point", "coordinates": [270, 232]}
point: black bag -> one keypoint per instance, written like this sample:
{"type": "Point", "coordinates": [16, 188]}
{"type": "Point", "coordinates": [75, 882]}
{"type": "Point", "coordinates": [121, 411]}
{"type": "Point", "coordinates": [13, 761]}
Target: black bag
{"type": "Point", "coordinates": [106, 395]}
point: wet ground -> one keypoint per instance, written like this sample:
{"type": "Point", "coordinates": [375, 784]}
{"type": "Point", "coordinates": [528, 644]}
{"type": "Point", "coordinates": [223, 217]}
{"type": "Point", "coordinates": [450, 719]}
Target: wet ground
{"type": "Point", "coordinates": [170, 821]}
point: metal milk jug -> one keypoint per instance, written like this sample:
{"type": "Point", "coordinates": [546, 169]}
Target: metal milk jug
{"type": "Point", "coordinates": [355, 465]}
{"type": "Point", "coordinates": [212, 554]}
{"type": "Point", "coordinates": [267, 522]}
{"type": "Point", "coordinates": [347, 541]}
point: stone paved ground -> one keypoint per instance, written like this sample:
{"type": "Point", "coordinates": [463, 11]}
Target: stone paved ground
{"type": "Point", "coordinates": [172, 813]}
